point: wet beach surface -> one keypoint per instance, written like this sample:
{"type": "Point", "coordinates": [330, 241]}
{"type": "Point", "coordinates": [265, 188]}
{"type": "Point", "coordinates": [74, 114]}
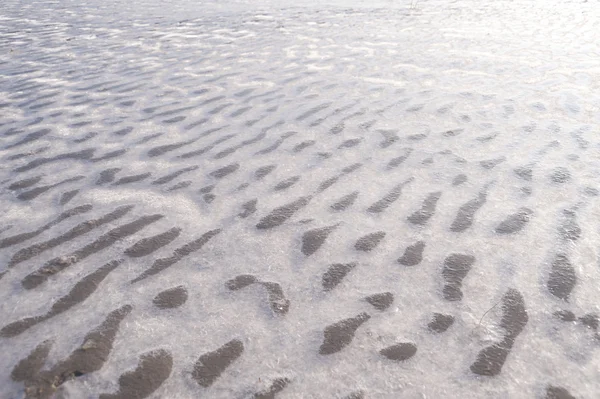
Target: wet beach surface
{"type": "Point", "coordinates": [259, 200]}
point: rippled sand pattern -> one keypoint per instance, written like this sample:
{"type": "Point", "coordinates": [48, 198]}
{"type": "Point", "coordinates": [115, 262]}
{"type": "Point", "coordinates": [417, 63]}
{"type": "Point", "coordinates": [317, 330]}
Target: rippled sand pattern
{"type": "Point", "coordinates": [349, 200]}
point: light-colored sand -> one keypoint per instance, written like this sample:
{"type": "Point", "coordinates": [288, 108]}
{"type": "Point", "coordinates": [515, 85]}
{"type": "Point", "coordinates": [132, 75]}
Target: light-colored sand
{"type": "Point", "coordinates": [339, 152]}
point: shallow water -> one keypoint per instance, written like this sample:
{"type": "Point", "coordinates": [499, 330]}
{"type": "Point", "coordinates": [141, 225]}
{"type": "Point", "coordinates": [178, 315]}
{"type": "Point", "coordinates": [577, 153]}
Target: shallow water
{"type": "Point", "coordinates": [328, 199]}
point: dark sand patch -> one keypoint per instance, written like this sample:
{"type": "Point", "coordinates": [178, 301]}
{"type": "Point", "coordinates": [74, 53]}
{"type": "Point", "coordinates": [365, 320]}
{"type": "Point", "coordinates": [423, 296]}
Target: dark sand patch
{"type": "Point", "coordinates": [240, 282]}
{"type": "Point", "coordinates": [78, 155]}
{"type": "Point", "coordinates": [399, 352]}
{"type": "Point", "coordinates": [35, 192]}
{"type": "Point", "coordinates": [515, 222]}
{"type": "Point", "coordinates": [569, 229]}
{"type": "Point", "coordinates": [20, 238]}
{"type": "Point", "coordinates": [132, 179]}
{"type": "Point", "coordinates": [224, 171]}
{"type": "Point", "coordinates": [335, 274]}
{"type": "Point", "coordinates": [57, 265]}
{"type": "Point", "coordinates": [397, 161]}
{"type": "Point", "coordinates": [560, 175]}
{"type": "Point", "coordinates": [456, 268]}
{"type": "Point", "coordinates": [554, 392]}
{"type": "Point", "coordinates": [67, 196]}
{"type": "Point", "coordinates": [381, 301]}
{"type": "Point", "coordinates": [459, 179]}
{"type": "Point", "coordinates": [171, 298]}
{"type": "Point", "coordinates": [369, 242]}
{"type": "Point", "coordinates": [339, 335]}
{"type": "Point", "coordinates": [21, 184]}
{"type": "Point", "coordinates": [167, 178]}
{"type": "Point", "coordinates": [413, 254]}
{"type": "Point", "coordinates": [263, 171]}
{"type": "Point", "coordinates": [287, 183]}
{"type": "Point", "coordinates": [279, 215]}
{"type": "Point", "coordinates": [276, 387]}
{"type": "Point", "coordinates": [211, 365]}
{"type": "Point", "coordinates": [78, 294]}
{"type": "Point", "coordinates": [148, 245]}
{"type": "Point", "coordinates": [514, 318]}
{"type": "Point", "coordinates": [562, 278]}
{"type": "Point", "coordinates": [440, 322]}
{"type": "Point", "coordinates": [427, 210]}
{"type": "Point", "coordinates": [152, 370]}
{"type": "Point", "coordinates": [312, 240]}
{"type": "Point", "coordinates": [565, 315]}
{"type": "Point", "coordinates": [80, 229]}
{"type": "Point", "coordinates": [279, 303]}
{"type": "Point", "coordinates": [466, 213]}
{"type": "Point", "coordinates": [345, 202]}
{"type": "Point", "coordinates": [389, 198]}
{"type": "Point", "coordinates": [164, 263]}
{"type": "Point", "coordinates": [248, 208]}
{"type": "Point", "coordinates": [89, 357]}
